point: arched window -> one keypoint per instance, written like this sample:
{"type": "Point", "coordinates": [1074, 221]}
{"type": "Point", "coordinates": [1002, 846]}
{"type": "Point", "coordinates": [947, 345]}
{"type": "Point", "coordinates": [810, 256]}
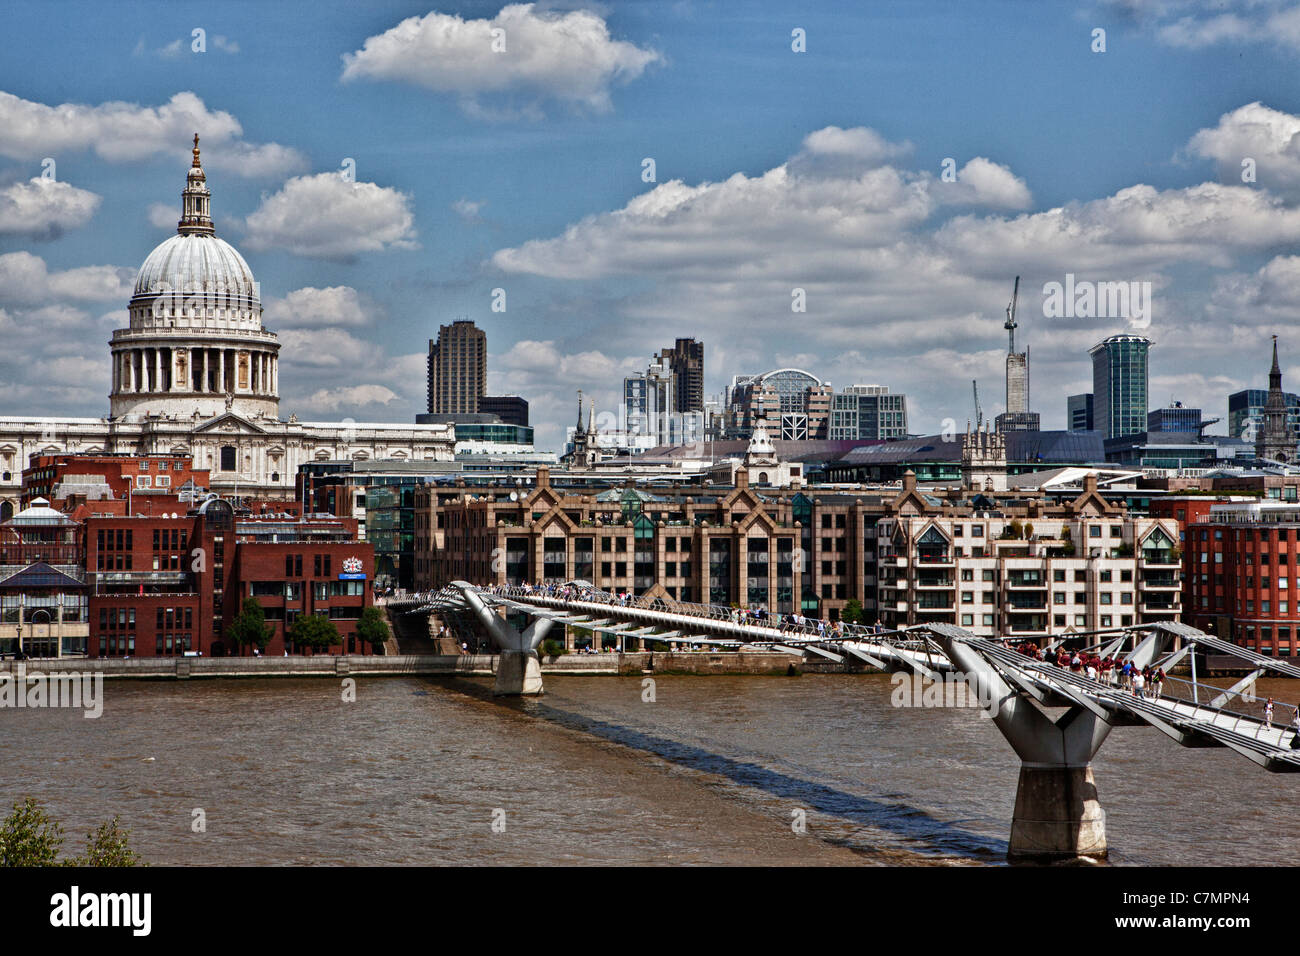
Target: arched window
{"type": "Point", "coordinates": [229, 458]}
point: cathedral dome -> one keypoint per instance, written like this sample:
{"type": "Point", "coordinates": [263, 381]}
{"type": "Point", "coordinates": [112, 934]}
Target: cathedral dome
{"type": "Point", "coordinates": [195, 346]}
{"type": "Point", "coordinates": [197, 265]}
{"type": "Point", "coordinates": [193, 279]}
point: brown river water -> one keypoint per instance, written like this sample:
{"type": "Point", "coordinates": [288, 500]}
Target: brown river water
{"type": "Point", "coordinates": [716, 770]}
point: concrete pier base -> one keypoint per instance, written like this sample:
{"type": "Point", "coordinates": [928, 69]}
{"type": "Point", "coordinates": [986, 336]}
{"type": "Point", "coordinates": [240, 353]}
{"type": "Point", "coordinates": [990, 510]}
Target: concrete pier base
{"type": "Point", "coordinates": [518, 673]}
{"type": "Point", "coordinates": [1057, 816]}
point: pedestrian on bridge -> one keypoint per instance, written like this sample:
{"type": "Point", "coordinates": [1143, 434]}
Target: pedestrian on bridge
{"type": "Point", "coordinates": [1268, 713]}
{"type": "Point", "coordinates": [1139, 683]}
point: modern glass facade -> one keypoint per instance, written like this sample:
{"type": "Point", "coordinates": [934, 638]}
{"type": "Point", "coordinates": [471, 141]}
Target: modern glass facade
{"type": "Point", "coordinates": [1078, 413]}
{"type": "Point", "coordinates": [1119, 385]}
{"type": "Point", "coordinates": [1246, 412]}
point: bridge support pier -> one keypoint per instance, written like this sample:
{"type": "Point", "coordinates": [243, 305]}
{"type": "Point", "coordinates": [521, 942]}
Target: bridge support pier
{"type": "Point", "coordinates": [518, 673]}
{"type": "Point", "coordinates": [1057, 815]}
{"type": "Point", "coordinates": [519, 669]}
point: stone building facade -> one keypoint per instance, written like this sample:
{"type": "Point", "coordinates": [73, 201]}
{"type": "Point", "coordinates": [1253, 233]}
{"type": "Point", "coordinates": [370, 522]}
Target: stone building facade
{"type": "Point", "coordinates": [906, 555]}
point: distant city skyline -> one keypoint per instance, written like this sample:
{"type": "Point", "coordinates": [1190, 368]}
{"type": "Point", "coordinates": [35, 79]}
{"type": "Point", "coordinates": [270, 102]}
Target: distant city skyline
{"type": "Point", "coordinates": [676, 178]}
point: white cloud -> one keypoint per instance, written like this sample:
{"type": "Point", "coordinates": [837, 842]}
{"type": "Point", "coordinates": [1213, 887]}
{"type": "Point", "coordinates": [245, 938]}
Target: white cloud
{"type": "Point", "coordinates": [26, 280]}
{"type": "Point", "coordinates": [1197, 24]}
{"type": "Point", "coordinates": [467, 210]}
{"type": "Point", "coordinates": [128, 132]}
{"type": "Point", "coordinates": [332, 306]}
{"type": "Point", "coordinates": [163, 216]}
{"type": "Point", "coordinates": [1271, 293]}
{"type": "Point", "coordinates": [568, 57]}
{"type": "Point", "coordinates": [779, 225]}
{"type": "Point", "coordinates": [327, 217]}
{"type": "Point", "coordinates": [44, 208]}
{"type": "Point", "coordinates": [323, 348]}
{"type": "Point", "coordinates": [1256, 132]}
{"type": "Point", "coordinates": [350, 397]}
{"type": "Point", "coordinates": [982, 182]}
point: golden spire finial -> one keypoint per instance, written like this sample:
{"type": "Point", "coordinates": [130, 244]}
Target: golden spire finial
{"type": "Point", "coordinates": [196, 149]}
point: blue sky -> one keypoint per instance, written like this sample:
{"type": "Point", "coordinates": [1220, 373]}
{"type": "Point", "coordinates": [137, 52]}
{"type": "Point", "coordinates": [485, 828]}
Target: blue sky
{"type": "Point", "coordinates": [522, 170]}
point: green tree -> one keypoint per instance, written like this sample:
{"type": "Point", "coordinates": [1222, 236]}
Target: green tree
{"type": "Point", "coordinates": [109, 846]}
{"type": "Point", "coordinates": [315, 631]}
{"type": "Point", "coordinates": [249, 626]}
{"type": "Point", "coordinates": [373, 628]}
{"type": "Point", "coordinates": [29, 837]}
{"type": "Point", "coordinates": [852, 613]}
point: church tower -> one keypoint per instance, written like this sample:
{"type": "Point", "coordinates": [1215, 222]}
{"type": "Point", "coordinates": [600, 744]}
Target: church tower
{"type": "Point", "coordinates": [1274, 440]}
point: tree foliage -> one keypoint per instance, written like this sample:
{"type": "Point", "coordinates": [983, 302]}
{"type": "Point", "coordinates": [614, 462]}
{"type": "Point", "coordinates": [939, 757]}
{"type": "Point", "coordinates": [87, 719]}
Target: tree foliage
{"type": "Point", "coordinates": [315, 631]}
{"type": "Point", "coordinates": [372, 627]}
{"type": "Point", "coordinates": [31, 837]}
{"type": "Point", "coordinates": [852, 613]}
{"type": "Point", "coordinates": [249, 626]}
{"type": "Point", "coordinates": [109, 846]}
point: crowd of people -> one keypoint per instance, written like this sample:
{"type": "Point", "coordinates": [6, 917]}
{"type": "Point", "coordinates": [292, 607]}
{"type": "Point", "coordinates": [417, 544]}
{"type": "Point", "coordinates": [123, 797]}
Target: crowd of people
{"type": "Point", "coordinates": [1145, 682]}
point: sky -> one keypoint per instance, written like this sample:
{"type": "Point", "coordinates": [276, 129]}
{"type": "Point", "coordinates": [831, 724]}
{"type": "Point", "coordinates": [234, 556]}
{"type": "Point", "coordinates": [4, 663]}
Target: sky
{"type": "Point", "coordinates": [628, 173]}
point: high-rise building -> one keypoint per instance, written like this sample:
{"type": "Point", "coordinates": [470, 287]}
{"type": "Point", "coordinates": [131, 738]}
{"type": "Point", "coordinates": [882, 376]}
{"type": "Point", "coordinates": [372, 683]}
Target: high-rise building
{"type": "Point", "coordinates": [1273, 440]}
{"type": "Point", "coordinates": [1017, 417]}
{"type": "Point", "coordinates": [457, 369]}
{"type": "Point", "coordinates": [1078, 413]}
{"type": "Point", "coordinates": [1119, 385]}
{"type": "Point", "coordinates": [686, 362]}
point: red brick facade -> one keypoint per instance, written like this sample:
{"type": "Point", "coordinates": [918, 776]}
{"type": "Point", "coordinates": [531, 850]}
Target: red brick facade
{"type": "Point", "coordinates": [166, 586]}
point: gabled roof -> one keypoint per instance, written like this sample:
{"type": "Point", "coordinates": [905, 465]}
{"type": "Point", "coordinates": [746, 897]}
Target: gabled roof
{"type": "Point", "coordinates": [39, 575]}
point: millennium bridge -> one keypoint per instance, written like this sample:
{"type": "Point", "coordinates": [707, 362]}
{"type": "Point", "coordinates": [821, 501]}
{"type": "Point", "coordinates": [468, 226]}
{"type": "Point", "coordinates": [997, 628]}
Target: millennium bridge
{"type": "Point", "coordinates": [1055, 719]}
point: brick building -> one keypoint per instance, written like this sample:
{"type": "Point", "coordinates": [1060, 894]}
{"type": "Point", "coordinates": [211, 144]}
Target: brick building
{"type": "Point", "coordinates": [95, 477]}
{"type": "Point", "coordinates": [810, 551]}
{"type": "Point", "coordinates": [172, 584]}
{"type": "Point", "coordinates": [781, 548]}
{"type": "Point", "coordinates": [1240, 563]}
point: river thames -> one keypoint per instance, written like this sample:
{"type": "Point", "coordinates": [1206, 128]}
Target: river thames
{"type": "Point", "coordinates": [714, 771]}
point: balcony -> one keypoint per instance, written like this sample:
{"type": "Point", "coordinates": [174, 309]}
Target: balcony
{"type": "Point", "coordinates": [1160, 603]}
{"type": "Point", "coordinates": [1026, 602]}
{"type": "Point", "coordinates": [1160, 580]}
{"type": "Point", "coordinates": [1015, 580]}
{"type": "Point", "coordinates": [1162, 558]}
{"type": "Point", "coordinates": [931, 602]}
{"type": "Point", "coordinates": [932, 558]}
{"type": "Point", "coordinates": [934, 581]}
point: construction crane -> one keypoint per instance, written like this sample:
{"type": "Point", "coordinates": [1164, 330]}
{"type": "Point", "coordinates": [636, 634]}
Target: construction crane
{"type": "Point", "coordinates": [979, 412]}
{"type": "Point", "coordinates": [1011, 318]}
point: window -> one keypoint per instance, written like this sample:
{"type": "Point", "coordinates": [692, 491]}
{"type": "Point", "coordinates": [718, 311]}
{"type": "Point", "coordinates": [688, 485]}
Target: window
{"type": "Point", "coordinates": [228, 458]}
{"type": "Point", "coordinates": [977, 531]}
{"type": "Point", "coordinates": [1094, 531]}
{"type": "Point", "coordinates": [968, 620]}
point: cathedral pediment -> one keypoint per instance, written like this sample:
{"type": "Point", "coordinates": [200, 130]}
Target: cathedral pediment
{"type": "Point", "coordinates": [229, 423]}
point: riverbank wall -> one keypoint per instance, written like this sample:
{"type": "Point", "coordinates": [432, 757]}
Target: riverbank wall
{"type": "Point", "coordinates": [470, 665]}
